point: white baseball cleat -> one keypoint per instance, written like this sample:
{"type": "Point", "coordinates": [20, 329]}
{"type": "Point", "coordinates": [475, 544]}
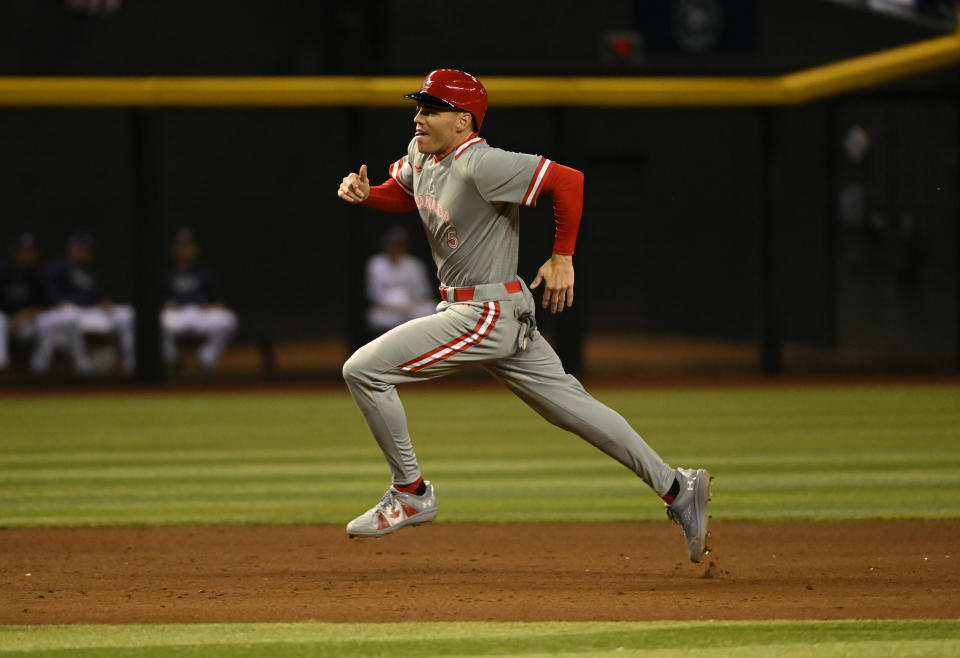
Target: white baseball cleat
{"type": "Point", "coordinates": [397, 509]}
{"type": "Point", "coordinates": [689, 510]}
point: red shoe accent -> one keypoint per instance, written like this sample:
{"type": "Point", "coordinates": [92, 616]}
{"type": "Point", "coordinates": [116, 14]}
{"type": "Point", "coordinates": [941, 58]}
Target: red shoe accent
{"type": "Point", "coordinates": [409, 488]}
{"type": "Point", "coordinates": [409, 510]}
{"type": "Point", "coordinates": [382, 522]}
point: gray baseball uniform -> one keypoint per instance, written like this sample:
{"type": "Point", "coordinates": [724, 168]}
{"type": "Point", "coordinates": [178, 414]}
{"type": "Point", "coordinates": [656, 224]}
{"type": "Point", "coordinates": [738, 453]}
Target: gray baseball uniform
{"type": "Point", "coordinates": [469, 204]}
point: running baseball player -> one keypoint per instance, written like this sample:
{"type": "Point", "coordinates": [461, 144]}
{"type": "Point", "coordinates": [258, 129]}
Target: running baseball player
{"type": "Point", "coordinates": [468, 195]}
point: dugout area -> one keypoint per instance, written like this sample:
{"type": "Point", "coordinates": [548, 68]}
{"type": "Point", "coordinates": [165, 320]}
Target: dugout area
{"type": "Point", "coordinates": [727, 209]}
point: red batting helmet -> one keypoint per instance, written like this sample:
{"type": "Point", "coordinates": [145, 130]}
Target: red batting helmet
{"type": "Point", "coordinates": [455, 89]}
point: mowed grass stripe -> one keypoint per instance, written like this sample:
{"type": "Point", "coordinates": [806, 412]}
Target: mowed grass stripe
{"type": "Point", "coordinates": [782, 453]}
{"type": "Point", "coordinates": [320, 473]}
{"type": "Point", "coordinates": [241, 504]}
{"type": "Point", "coordinates": [11, 463]}
{"type": "Point", "coordinates": [784, 475]}
{"type": "Point", "coordinates": [752, 638]}
{"type": "Point", "coordinates": [268, 466]}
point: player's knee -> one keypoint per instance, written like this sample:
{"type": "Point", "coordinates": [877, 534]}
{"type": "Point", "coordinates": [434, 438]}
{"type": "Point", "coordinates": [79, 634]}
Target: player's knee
{"type": "Point", "coordinates": [228, 320]}
{"type": "Point", "coordinates": [59, 317]}
{"type": "Point", "coordinates": [364, 368]}
{"type": "Point", "coordinates": [123, 315]}
{"type": "Point", "coordinates": [353, 369]}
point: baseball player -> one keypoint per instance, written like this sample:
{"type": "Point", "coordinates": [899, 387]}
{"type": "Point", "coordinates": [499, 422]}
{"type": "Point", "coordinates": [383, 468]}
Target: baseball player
{"type": "Point", "coordinates": [468, 195]}
{"type": "Point", "coordinates": [22, 301]}
{"type": "Point", "coordinates": [194, 305]}
{"type": "Point", "coordinates": [79, 302]}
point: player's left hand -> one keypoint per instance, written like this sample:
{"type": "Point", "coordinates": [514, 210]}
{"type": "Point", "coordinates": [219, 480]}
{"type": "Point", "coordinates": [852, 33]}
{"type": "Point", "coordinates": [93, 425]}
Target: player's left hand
{"type": "Point", "coordinates": [557, 276]}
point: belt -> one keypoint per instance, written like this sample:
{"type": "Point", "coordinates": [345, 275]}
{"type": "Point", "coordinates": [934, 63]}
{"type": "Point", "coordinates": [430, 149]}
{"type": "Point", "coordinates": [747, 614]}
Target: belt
{"type": "Point", "coordinates": [486, 291]}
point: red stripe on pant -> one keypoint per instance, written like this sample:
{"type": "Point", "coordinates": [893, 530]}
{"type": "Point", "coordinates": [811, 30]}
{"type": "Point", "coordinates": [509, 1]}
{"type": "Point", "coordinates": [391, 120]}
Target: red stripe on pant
{"type": "Point", "coordinates": [484, 326]}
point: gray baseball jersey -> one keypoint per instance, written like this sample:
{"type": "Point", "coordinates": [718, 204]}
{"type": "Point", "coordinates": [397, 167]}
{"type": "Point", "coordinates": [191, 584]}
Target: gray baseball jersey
{"type": "Point", "coordinates": [468, 202]}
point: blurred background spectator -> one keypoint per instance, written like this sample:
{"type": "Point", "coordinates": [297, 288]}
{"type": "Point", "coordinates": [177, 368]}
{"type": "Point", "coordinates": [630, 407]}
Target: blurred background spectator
{"type": "Point", "coordinates": [21, 303]}
{"type": "Point", "coordinates": [194, 306]}
{"type": "Point", "coordinates": [78, 301]}
{"type": "Point", "coordinates": [398, 285]}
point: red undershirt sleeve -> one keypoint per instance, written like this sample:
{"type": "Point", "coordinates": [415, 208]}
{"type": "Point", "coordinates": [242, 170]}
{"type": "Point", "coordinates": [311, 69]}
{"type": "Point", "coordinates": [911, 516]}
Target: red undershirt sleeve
{"type": "Point", "coordinates": [390, 197]}
{"type": "Point", "coordinates": [565, 185]}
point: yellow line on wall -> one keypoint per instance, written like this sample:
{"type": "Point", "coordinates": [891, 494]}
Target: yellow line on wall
{"type": "Point", "coordinates": [340, 91]}
{"type": "Point", "coordinates": [871, 70]}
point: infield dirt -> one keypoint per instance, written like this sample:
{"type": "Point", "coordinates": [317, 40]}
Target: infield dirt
{"type": "Point", "coordinates": [510, 572]}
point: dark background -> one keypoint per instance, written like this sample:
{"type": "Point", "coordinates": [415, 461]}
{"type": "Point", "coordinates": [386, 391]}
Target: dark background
{"type": "Point", "coordinates": [678, 201]}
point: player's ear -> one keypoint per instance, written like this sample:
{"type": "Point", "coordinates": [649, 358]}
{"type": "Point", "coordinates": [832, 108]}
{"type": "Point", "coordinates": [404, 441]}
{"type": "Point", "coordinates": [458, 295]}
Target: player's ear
{"type": "Point", "coordinates": [465, 122]}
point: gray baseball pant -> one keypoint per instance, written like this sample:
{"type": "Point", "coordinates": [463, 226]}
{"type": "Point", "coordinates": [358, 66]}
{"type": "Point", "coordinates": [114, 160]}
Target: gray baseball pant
{"type": "Point", "coordinates": [494, 331]}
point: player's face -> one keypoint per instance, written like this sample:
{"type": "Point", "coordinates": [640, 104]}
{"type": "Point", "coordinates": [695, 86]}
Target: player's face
{"type": "Point", "coordinates": [438, 131]}
{"type": "Point", "coordinates": [81, 254]}
{"type": "Point", "coordinates": [184, 253]}
{"type": "Point", "coordinates": [25, 258]}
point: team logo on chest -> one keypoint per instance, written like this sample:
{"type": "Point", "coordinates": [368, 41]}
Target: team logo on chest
{"type": "Point", "coordinates": [425, 202]}
{"type": "Point", "coordinates": [453, 238]}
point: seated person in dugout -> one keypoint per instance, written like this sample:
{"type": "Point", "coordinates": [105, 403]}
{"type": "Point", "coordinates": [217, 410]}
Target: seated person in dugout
{"type": "Point", "coordinates": [398, 285]}
{"type": "Point", "coordinates": [79, 307]}
{"type": "Point", "coordinates": [194, 306]}
{"type": "Point", "coordinates": [22, 302]}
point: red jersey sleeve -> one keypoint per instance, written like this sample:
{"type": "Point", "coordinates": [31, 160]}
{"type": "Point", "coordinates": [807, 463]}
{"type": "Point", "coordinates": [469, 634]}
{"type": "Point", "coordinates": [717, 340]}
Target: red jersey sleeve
{"type": "Point", "coordinates": [390, 197]}
{"type": "Point", "coordinates": [565, 185]}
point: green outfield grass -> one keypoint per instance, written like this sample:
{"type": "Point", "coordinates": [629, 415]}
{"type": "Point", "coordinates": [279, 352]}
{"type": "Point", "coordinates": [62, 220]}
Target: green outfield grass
{"type": "Point", "coordinates": [863, 639]}
{"type": "Point", "coordinates": [778, 453]}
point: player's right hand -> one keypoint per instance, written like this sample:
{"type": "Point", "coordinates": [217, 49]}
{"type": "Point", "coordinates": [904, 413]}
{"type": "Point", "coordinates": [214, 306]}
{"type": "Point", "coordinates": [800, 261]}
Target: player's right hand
{"type": "Point", "coordinates": [355, 188]}
{"type": "Point", "coordinates": [557, 276]}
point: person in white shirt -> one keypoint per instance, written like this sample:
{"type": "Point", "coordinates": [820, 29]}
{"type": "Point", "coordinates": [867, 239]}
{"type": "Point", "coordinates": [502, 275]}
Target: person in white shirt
{"type": "Point", "coordinates": [398, 285]}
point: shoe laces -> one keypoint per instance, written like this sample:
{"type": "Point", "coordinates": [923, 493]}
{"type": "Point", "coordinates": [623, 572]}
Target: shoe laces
{"type": "Point", "coordinates": [387, 501]}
